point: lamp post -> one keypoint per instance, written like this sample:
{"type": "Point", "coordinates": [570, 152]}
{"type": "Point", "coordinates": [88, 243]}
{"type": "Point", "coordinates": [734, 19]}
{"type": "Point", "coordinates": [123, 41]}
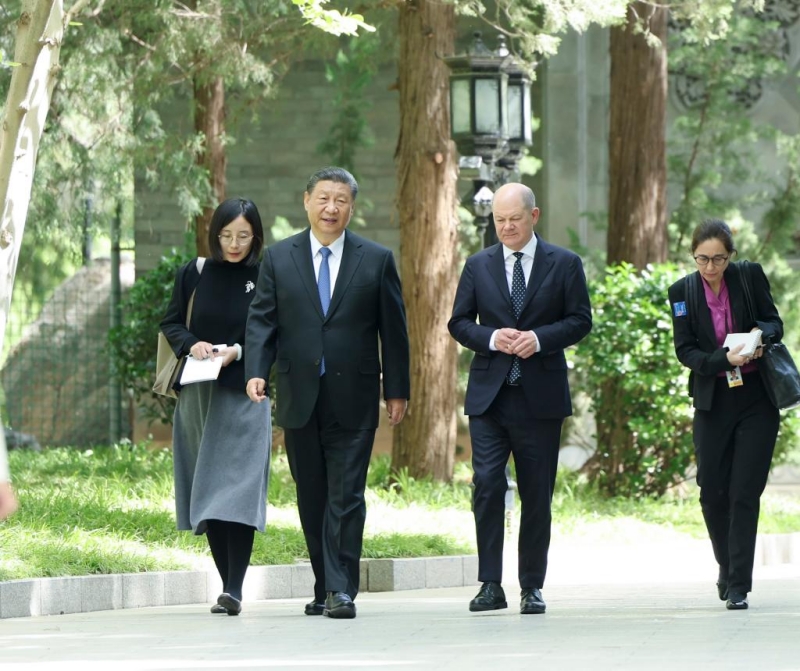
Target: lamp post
{"type": "Point", "coordinates": [490, 115]}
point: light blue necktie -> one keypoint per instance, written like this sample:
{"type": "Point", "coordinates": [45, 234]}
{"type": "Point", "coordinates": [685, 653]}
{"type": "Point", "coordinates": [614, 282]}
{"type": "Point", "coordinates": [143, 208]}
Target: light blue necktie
{"type": "Point", "coordinates": [324, 288]}
{"type": "Point", "coordinates": [517, 298]}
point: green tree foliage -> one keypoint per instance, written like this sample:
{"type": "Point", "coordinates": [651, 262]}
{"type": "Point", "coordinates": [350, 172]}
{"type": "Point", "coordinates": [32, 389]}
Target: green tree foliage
{"type": "Point", "coordinates": [636, 386]}
{"type": "Point", "coordinates": [350, 75]}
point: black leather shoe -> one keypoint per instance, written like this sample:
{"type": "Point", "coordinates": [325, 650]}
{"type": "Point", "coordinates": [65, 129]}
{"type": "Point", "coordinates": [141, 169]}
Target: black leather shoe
{"type": "Point", "coordinates": [340, 606]}
{"type": "Point", "coordinates": [231, 604]}
{"type": "Point", "coordinates": [737, 601]}
{"type": "Point", "coordinates": [314, 608]}
{"type": "Point", "coordinates": [722, 589]}
{"type": "Point", "coordinates": [217, 609]}
{"type": "Point", "coordinates": [490, 597]}
{"type": "Point", "coordinates": [532, 602]}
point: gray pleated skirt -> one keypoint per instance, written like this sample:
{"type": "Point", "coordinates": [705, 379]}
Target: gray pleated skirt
{"type": "Point", "coordinates": [221, 451]}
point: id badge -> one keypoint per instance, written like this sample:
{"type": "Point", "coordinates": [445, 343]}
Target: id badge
{"type": "Point", "coordinates": [734, 377]}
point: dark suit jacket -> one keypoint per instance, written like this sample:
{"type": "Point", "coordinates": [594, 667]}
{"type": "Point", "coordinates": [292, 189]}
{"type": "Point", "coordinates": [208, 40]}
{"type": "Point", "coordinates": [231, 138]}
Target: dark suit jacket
{"type": "Point", "coordinates": [556, 308]}
{"type": "Point", "coordinates": [286, 327]}
{"type": "Point", "coordinates": [696, 344]}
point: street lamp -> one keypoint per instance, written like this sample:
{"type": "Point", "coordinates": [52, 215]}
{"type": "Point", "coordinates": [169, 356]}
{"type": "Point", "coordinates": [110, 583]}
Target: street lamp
{"type": "Point", "coordinates": [490, 115]}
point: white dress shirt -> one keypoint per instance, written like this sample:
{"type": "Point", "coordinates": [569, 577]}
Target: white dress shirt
{"type": "Point", "coordinates": [528, 252]}
{"type": "Point", "coordinates": [334, 260]}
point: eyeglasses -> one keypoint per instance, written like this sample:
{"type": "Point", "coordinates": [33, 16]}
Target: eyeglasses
{"type": "Point", "coordinates": [241, 238]}
{"type": "Point", "coordinates": [718, 260]}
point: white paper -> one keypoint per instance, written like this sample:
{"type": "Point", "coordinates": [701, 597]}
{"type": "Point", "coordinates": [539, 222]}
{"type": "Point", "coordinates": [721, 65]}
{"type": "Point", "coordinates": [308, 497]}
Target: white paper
{"type": "Point", "coordinates": [202, 370]}
{"type": "Point", "coordinates": [749, 340]}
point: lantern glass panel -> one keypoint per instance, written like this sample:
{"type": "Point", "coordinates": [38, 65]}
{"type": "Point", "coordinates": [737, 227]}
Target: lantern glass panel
{"type": "Point", "coordinates": [487, 106]}
{"type": "Point", "coordinates": [515, 112]}
{"type": "Point", "coordinates": [460, 106]}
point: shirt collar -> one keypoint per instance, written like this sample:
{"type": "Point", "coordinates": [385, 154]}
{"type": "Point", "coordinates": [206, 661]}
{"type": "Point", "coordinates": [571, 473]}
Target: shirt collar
{"type": "Point", "coordinates": [336, 247]}
{"type": "Point", "coordinates": [527, 250]}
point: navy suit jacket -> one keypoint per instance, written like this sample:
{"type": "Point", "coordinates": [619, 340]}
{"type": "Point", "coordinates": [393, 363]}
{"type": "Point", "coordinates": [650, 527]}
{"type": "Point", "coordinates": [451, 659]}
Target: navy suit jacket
{"type": "Point", "coordinates": [556, 308]}
{"type": "Point", "coordinates": [363, 334]}
{"type": "Point", "coordinates": [696, 343]}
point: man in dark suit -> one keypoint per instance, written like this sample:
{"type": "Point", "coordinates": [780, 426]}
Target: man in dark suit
{"type": "Point", "coordinates": [519, 303]}
{"type": "Point", "coordinates": [328, 312]}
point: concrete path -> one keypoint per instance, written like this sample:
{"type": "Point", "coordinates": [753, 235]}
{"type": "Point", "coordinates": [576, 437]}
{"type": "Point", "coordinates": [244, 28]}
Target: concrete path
{"type": "Point", "coordinates": [650, 625]}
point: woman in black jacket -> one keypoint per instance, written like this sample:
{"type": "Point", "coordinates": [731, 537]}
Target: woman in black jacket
{"type": "Point", "coordinates": [735, 424]}
{"type": "Point", "coordinates": [221, 440]}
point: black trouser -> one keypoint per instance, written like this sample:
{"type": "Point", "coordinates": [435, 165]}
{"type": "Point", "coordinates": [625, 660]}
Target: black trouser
{"type": "Point", "coordinates": [507, 428]}
{"type": "Point", "coordinates": [734, 442]}
{"type": "Point", "coordinates": [329, 466]}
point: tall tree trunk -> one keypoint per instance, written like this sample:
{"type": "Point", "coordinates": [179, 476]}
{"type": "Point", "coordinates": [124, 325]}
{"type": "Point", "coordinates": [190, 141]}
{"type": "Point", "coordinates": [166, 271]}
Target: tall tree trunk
{"type": "Point", "coordinates": [426, 199]}
{"type": "Point", "coordinates": [637, 203]}
{"type": "Point", "coordinates": [209, 119]}
{"type": "Point", "coordinates": [38, 44]}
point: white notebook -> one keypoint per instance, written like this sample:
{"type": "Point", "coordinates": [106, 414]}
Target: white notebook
{"type": "Point", "coordinates": [749, 340]}
{"type": "Point", "coordinates": [202, 370]}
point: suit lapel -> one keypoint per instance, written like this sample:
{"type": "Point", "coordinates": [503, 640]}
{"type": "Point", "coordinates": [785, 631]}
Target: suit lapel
{"type": "Point", "coordinates": [542, 265]}
{"type": "Point", "coordinates": [497, 269]}
{"type": "Point", "coordinates": [352, 254]}
{"type": "Point", "coordinates": [301, 255]}
{"type": "Point", "coordinates": [706, 326]}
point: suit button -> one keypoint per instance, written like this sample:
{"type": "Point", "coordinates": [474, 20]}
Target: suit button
{"type": "Point", "coordinates": [317, 362]}
{"type": "Point", "coordinates": [326, 328]}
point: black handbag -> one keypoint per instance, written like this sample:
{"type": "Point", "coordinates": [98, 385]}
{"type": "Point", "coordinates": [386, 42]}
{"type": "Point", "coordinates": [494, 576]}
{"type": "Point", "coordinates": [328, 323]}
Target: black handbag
{"type": "Point", "coordinates": [778, 370]}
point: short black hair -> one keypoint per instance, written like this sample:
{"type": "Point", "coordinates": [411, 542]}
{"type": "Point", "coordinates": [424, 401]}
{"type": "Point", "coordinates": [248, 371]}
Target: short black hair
{"type": "Point", "coordinates": [333, 174]}
{"type": "Point", "coordinates": [711, 229]}
{"type": "Point", "coordinates": [228, 211]}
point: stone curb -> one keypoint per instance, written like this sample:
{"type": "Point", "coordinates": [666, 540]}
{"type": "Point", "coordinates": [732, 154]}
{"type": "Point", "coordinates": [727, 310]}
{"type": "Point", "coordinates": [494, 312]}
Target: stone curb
{"type": "Point", "coordinates": [84, 594]}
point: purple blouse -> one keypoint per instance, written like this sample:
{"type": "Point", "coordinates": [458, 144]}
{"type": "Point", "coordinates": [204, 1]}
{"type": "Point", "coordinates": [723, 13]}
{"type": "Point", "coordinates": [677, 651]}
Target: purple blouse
{"type": "Point", "coordinates": [722, 317]}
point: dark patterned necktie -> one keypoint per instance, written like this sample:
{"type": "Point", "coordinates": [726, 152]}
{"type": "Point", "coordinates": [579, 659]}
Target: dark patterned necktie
{"type": "Point", "coordinates": [517, 297]}
{"type": "Point", "coordinates": [324, 288]}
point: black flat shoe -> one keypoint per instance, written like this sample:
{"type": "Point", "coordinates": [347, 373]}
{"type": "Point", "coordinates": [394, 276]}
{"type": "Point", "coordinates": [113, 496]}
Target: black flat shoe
{"type": "Point", "coordinates": [217, 609]}
{"type": "Point", "coordinates": [737, 601]}
{"type": "Point", "coordinates": [231, 604]}
{"type": "Point", "coordinates": [490, 597]}
{"type": "Point", "coordinates": [722, 590]}
{"type": "Point", "coordinates": [339, 606]}
{"type": "Point", "coordinates": [315, 608]}
{"type": "Point", "coordinates": [532, 602]}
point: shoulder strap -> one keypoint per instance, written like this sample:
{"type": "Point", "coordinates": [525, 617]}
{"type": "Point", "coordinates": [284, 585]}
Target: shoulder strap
{"type": "Point", "coordinates": [201, 261]}
{"type": "Point", "coordinates": [743, 268]}
{"type": "Point", "coordinates": [691, 298]}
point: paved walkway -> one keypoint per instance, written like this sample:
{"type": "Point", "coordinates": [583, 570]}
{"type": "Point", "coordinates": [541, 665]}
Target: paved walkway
{"type": "Point", "coordinates": [619, 625]}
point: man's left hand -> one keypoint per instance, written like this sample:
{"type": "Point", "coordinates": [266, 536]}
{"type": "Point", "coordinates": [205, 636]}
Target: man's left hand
{"type": "Point", "coordinates": [396, 407]}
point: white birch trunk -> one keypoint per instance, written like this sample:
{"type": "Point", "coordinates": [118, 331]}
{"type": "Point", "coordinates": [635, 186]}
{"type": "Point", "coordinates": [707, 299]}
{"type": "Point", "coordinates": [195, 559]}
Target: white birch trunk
{"type": "Point", "coordinates": [38, 43]}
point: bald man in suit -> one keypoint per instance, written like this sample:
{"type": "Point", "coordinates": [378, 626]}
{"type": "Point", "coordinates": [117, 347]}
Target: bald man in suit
{"type": "Point", "coordinates": [518, 305]}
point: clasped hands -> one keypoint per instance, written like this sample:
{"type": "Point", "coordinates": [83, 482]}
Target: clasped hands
{"type": "Point", "coordinates": [512, 341]}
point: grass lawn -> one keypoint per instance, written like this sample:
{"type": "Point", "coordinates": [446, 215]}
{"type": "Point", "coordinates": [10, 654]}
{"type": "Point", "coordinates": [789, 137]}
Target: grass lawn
{"type": "Point", "coordinates": [110, 510]}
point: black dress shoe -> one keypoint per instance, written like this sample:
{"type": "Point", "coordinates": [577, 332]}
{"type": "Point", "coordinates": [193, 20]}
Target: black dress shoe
{"type": "Point", "coordinates": [490, 597]}
{"type": "Point", "coordinates": [217, 609]}
{"type": "Point", "coordinates": [722, 589]}
{"type": "Point", "coordinates": [231, 604]}
{"type": "Point", "coordinates": [737, 601]}
{"type": "Point", "coordinates": [532, 602]}
{"type": "Point", "coordinates": [340, 606]}
{"type": "Point", "coordinates": [314, 608]}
